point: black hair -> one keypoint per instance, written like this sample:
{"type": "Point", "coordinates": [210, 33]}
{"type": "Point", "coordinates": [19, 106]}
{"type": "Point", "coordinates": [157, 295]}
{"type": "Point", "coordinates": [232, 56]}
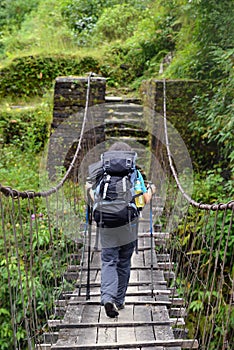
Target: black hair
{"type": "Point", "coordinates": [120, 146]}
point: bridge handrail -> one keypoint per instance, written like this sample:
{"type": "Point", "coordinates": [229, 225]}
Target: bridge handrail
{"type": "Point", "coordinates": [14, 193]}
{"type": "Point", "coordinates": [9, 192]}
{"type": "Point", "coordinates": [203, 206]}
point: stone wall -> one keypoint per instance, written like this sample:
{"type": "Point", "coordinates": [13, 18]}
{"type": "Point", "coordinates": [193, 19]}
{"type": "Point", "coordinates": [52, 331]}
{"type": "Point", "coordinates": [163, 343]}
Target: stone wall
{"type": "Point", "coordinates": [70, 95]}
{"type": "Point", "coordinates": [179, 112]}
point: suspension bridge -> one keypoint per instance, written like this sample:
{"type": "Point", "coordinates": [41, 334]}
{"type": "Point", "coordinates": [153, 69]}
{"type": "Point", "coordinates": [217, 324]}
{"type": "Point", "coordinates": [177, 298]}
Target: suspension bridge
{"type": "Point", "coordinates": [181, 289]}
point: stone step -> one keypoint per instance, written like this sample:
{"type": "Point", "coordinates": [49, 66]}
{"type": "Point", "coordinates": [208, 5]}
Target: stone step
{"type": "Point", "coordinates": [121, 122]}
{"type": "Point", "coordinates": [130, 140]}
{"type": "Point", "coordinates": [124, 99]}
{"type": "Point", "coordinates": [126, 131]}
{"type": "Point", "coordinates": [124, 107]}
{"type": "Point", "coordinates": [128, 115]}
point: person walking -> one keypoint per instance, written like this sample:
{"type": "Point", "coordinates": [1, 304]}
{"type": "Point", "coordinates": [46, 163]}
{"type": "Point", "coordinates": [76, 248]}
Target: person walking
{"type": "Point", "coordinates": [118, 244]}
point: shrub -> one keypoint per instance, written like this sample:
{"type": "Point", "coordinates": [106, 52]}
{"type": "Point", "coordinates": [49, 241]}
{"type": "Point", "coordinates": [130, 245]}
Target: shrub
{"type": "Point", "coordinates": [34, 75]}
{"type": "Point", "coordinates": [118, 22]}
{"type": "Point", "coordinates": [27, 129]}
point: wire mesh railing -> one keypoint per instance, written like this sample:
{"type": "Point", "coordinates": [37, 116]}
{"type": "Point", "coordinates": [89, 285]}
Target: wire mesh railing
{"type": "Point", "coordinates": [42, 235]}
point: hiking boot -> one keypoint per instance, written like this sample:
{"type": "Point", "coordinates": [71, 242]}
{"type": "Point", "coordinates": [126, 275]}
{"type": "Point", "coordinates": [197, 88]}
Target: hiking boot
{"type": "Point", "coordinates": [120, 307]}
{"type": "Point", "coordinates": [111, 310]}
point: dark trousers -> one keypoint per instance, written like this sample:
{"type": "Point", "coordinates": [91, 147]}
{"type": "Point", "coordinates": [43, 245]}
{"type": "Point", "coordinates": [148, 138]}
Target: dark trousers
{"type": "Point", "coordinates": [115, 274]}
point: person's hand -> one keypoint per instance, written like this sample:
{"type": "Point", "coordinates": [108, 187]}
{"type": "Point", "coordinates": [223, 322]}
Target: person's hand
{"type": "Point", "coordinates": [89, 192]}
{"type": "Point", "coordinates": [152, 188]}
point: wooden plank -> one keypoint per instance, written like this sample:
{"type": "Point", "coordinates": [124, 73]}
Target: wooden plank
{"type": "Point", "coordinates": [162, 332]}
{"type": "Point", "coordinates": [169, 275]}
{"type": "Point", "coordinates": [160, 235]}
{"type": "Point", "coordinates": [134, 302]}
{"type": "Point", "coordinates": [150, 259]}
{"type": "Point", "coordinates": [158, 276]}
{"type": "Point", "coordinates": [43, 346]}
{"type": "Point", "coordinates": [106, 334]}
{"type": "Point", "coordinates": [177, 301]}
{"type": "Point", "coordinates": [137, 293]}
{"type": "Point", "coordinates": [132, 289]}
{"type": "Point", "coordinates": [90, 314]}
{"type": "Point", "coordinates": [126, 334]}
{"type": "Point", "coordinates": [96, 258]}
{"type": "Point", "coordinates": [137, 261]}
{"type": "Point", "coordinates": [184, 344]}
{"type": "Point", "coordinates": [165, 265]}
{"type": "Point", "coordinates": [177, 312]}
{"type": "Point", "coordinates": [163, 257]}
{"type": "Point", "coordinates": [144, 332]}
{"type": "Point", "coordinates": [88, 327]}
{"type": "Point", "coordinates": [140, 248]}
{"type": "Point", "coordinates": [50, 337]}
{"type": "Point", "coordinates": [133, 267]}
{"type": "Point", "coordinates": [116, 323]}
{"type": "Point", "coordinates": [131, 284]}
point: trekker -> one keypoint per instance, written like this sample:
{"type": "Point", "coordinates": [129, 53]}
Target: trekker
{"type": "Point", "coordinates": [118, 243]}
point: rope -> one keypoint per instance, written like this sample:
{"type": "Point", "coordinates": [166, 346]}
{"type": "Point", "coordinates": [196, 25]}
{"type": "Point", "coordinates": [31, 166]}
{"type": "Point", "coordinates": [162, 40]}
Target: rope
{"type": "Point", "coordinates": [219, 206]}
{"type": "Point", "coordinates": [8, 191]}
{"type": "Point", "coordinates": [7, 256]}
{"type": "Point", "coordinates": [197, 250]}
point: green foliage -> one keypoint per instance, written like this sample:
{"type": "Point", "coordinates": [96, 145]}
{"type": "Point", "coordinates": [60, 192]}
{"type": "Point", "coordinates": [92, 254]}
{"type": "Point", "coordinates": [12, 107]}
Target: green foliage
{"type": "Point", "coordinates": [12, 15]}
{"type": "Point", "coordinates": [23, 134]}
{"type": "Point", "coordinates": [137, 36]}
{"type": "Point", "coordinates": [196, 45]}
{"type": "Point", "coordinates": [33, 277]}
{"type": "Point", "coordinates": [208, 244]}
{"type": "Point", "coordinates": [83, 18]}
{"type": "Point", "coordinates": [19, 170]}
{"type": "Point", "coordinates": [83, 15]}
{"type": "Point", "coordinates": [13, 12]}
{"type": "Point", "coordinates": [140, 55]}
{"type": "Point", "coordinates": [118, 22]}
{"type": "Point", "coordinates": [42, 29]}
{"type": "Point", "coordinates": [211, 16]}
{"type": "Point", "coordinates": [215, 112]}
{"type": "Point", "coordinates": [26, 129]}
{"type": "Point", "coordinates": [34, 75]}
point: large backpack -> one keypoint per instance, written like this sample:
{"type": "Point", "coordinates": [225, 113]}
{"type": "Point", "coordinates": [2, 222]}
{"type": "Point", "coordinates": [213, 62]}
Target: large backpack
{"type": "Point", "coordinates": [113, 181]}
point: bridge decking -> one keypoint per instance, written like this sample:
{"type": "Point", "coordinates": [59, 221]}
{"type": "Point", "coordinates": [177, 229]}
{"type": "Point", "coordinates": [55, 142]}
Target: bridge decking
{"type": "Point", "coordinates": [145, 323]}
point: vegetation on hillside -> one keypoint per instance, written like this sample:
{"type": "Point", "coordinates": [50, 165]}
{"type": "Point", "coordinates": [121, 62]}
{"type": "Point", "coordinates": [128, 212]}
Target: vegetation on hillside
{"type": "Point", "coordinates": [42, 39]}
{"type": "Point", "coordinates": [126, 41]}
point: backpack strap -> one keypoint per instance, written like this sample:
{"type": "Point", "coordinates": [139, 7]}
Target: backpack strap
{"type": "Point", "coordinates": [115, 162]}
{"type": "Point", "coordinates": [106, 184]}
{"type": "Point", "coordinates": [124, 182]}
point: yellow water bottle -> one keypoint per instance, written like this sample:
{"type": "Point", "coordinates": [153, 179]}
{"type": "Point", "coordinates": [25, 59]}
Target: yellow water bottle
{"type": "Point", "coordinates": [139, 199]}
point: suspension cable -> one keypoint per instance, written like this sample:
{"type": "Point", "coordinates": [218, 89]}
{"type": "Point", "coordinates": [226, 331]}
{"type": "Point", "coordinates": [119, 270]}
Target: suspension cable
{"type": "Point", "coordinates": [8, 191]}
{"type": "Point", "coordinates": [219, 206]}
